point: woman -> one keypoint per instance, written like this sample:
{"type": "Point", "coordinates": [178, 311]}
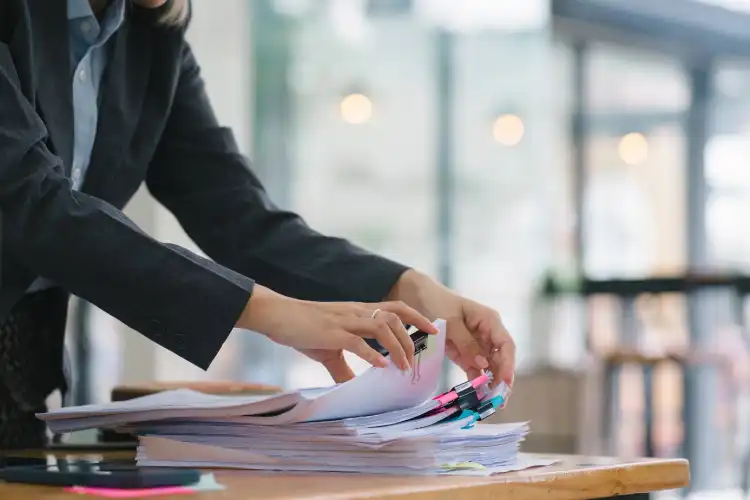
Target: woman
{"type": "Point", "coordinates": [97, 97]}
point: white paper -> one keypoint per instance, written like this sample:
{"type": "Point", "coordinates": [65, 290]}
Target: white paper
{"type": "Point", "coordinates": [493, 447]}
{"type": "Point", "coordinates": [376, 391]}
{"type": "Point", "coordinates": [384, 421]}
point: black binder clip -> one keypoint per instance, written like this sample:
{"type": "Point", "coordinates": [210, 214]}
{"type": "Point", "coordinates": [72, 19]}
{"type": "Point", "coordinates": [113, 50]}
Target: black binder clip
{"type": "Point", "coordinates": [420, 341]}
{"type": "Point", "coordinates": [467, 397]}
{"type": "Point", "coordinates": [485, 410]}
{"type": "Point", "coordinates": [420, 344]}
{"type": "Point", "coordinates": [418, 337]}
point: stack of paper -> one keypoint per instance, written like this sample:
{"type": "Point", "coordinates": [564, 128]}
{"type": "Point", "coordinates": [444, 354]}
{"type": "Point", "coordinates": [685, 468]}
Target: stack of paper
{"type": "Point", "coordinates": [383, 421]}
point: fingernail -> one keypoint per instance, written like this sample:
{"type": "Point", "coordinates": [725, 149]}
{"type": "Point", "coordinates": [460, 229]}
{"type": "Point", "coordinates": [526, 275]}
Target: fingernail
{"type": "Point", "coordinates": [506, 397]}
{"type": "Point", "coordinates": [481, 362]}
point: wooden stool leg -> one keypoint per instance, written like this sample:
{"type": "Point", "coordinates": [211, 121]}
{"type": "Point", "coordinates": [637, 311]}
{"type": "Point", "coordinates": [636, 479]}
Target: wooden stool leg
{"type": "Point", "coordinates": [611, 410]}
{"type": "Point", "coordinates": [648, 396]}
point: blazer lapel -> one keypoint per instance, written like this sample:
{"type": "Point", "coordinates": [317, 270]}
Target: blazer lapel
{"type": "Point", "coordinates": [53, 73]}
{"type": "Point", "coordinates": [122, 92]}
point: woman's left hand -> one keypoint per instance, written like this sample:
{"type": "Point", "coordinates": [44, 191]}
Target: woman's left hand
{"type": "Point", "coordinates": [476, 338]}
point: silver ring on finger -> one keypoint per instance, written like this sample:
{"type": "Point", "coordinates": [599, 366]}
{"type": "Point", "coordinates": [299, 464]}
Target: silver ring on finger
{"type": "Point", "coordinates": [374, 313]}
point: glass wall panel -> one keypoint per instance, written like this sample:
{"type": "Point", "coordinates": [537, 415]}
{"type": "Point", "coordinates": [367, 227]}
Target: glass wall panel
{"type": "Point", "coordinates": [635, 199]}
{"type": "Point", "coordinates": [513, 217]}
{"type": "Point", "coordinates": [635, 221]}
{"type": "Point", "coordinates": [363, 137]}
{"type": "Point", "coordinates": [727, 175]}
{"type": "Point", "coordinates": [365, 141]}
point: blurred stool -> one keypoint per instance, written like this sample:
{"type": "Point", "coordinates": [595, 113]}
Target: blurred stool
{"type": "Point", "coordinates": [562, 404]}
{"type": "Point", "coordinates": [125, 392]}
{"type": "Point", "coordinates": [223, 388]}
{"type": "Point", "coordinates": [613, 363]}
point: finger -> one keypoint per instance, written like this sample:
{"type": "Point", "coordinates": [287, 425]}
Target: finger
{"type": "Point", "coordinates": [503, 352]}
{"type": "Point", "coordinates": [505, 358]}
{"type": "Point", "coordinates": [466, 365]}
{"type": "Point", "coordinates": [398, 329]}
{"type": "Point", "coordinates": [451, 351]}
{"type": "Point", "coordinates": [467, 345]}
{"type": "Point", "coordinates": [377, 328]}
{"type": "Point", "coordinates": [358, 346]}
{"type": "Point", "coordinates": [339, 369]}
{"type": "Point", "coordinates": [387, 338]}
{"type": "Point", "coordinates": [409, 316]}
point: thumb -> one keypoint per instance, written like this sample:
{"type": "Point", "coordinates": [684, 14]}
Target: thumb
{"type": "Point", "coordinates": [467, 366]}
{"type": "Point", "coordinates": [467, 346]}
{"type": "Point", "coordinates": [338, 368]}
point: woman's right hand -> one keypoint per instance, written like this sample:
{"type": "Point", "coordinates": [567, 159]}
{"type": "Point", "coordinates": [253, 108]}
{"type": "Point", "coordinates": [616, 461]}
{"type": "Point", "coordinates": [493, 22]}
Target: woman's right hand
{"type": "Point", "coordinates": [335, 326]}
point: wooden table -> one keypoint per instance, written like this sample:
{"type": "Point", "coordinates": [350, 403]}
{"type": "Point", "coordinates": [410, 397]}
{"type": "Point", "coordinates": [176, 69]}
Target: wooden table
{"type": "Point", "coordinates": [573, 478]}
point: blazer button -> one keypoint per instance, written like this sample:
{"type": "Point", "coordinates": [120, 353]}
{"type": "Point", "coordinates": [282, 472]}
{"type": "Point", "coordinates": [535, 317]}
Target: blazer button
{"type": "Point", "coordinates": [157, 327]}
{"type": "Point", "coordinates": [180, 344]}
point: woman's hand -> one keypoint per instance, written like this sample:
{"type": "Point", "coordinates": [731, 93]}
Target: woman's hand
{"type": "Point", "coordinates": [476, 338]}
{"type": "Point", "coordinates": [323, 330]}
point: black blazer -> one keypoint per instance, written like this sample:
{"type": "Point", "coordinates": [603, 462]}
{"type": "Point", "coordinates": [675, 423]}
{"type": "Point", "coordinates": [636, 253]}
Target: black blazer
{"type": "Point", "coordinates": [155, 125]}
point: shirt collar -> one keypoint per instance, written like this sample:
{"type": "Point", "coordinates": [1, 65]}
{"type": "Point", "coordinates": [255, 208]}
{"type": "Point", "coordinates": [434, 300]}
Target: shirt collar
{"type": "Point", "coordinates": [79, 8]}
{"type": "Point", "coordinates": [112, 19]}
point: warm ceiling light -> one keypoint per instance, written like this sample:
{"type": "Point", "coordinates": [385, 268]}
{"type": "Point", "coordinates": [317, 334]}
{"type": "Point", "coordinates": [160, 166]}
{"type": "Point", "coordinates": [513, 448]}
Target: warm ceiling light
{"type": "Point", "coordinates": [508, 130]}
{"type": "Point", "coordinates": [633, 148]}
{"type": "Point", "coordinates": [356, 108]}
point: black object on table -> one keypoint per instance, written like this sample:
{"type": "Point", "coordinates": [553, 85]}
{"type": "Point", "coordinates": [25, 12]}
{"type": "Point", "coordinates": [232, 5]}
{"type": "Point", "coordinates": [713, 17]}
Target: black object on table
{"type": "Point", "coordinates": [98, 474]}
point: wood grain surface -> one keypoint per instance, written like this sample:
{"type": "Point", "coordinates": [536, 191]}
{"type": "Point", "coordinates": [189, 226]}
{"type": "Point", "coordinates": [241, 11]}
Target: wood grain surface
{"type": "Point", "coordinates": [573, 477]}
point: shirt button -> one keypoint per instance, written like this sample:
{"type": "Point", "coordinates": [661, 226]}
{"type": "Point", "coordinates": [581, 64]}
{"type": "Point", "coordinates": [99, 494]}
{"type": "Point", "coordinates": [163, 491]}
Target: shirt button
{"type": "Point", "coordinates": [82, 75]}
{"type": "Point", "coordinates": [86, 27]}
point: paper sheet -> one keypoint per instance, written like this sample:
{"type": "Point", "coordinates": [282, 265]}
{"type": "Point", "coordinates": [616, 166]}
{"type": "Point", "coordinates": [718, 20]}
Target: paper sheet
{"type": "Point", "coordinates": [376, 391]}
{"type": "Point", "coordinates": [383, 421]}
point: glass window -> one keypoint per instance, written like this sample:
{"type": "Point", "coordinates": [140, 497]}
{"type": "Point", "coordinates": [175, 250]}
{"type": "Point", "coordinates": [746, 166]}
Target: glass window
{"type": "Point", "coordinates": [635, 219]}
{"type": "Point", "coordinates": [727, 174]}
{"type": "Point", "coordinates": [634, 215]}
{"type": "Point", "coordinates": [363, 164]}
{"type": "Point", "coordinates": [512, 171]}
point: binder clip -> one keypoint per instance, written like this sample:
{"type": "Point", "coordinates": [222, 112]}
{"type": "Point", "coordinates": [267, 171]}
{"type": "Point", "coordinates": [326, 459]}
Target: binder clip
{"type": "Point", "coordinates": [467, 396]}
{"type": "Point", "coordinates": [420, 344]}
{"type": "Point", "coordinates": [485, 409]}
{"type": "Point", "coordinates": [419, 338]}
{"type": "Point", "coordinates": [420, 341]}
{"type": "Point", "coordinates": [482, 411]}
{"type": "Point", "coordinates": [470, 400]}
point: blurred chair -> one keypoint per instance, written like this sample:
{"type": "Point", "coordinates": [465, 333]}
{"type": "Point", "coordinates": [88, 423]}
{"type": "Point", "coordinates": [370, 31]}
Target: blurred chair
{"type": "Point", "coordinates": [126, 392]}
{"type": "Point", "coordinates": [561, 406]}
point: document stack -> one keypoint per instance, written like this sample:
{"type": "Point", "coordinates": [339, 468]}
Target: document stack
{"type": "Point", "coordinates": [383, 421]}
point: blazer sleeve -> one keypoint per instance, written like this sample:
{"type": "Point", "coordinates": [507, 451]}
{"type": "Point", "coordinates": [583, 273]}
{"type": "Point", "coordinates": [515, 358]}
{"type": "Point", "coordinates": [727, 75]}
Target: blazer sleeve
{"type": "Point", "coordinates": [199, 174]}
{"type": "Point", "coordinates": [183, 302]}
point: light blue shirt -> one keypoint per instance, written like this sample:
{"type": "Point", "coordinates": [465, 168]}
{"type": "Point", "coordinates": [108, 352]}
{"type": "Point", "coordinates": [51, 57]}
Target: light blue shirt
{"type": "Point", "coordinates": [88, 59]}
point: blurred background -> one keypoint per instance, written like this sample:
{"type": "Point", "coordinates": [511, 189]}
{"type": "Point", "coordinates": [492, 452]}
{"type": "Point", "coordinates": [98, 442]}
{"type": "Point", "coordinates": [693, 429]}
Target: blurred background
{"type": "Point", "coordinates": [580, 165]}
